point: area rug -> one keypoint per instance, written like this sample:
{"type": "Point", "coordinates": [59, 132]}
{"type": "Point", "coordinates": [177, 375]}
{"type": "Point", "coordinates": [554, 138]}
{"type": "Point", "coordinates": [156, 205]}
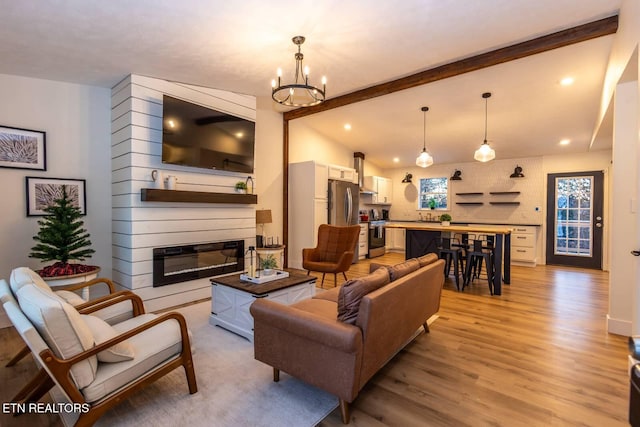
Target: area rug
{"type": "Point", "coordinates": [234, 389]}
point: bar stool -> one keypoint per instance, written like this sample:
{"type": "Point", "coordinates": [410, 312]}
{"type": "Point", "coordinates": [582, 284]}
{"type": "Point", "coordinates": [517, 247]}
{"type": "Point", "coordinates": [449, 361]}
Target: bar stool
{"type": "Point", "coordinates": [449, 249]}
{"type": "Point", "coordinates": [463, 239]}
{"type": "Point", "coordinates": [479, 252]}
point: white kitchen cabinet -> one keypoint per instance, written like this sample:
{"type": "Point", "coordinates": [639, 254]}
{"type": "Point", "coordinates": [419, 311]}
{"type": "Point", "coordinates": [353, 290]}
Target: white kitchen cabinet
{"type": "Point", "coordinates": [308, 207]}
{"type": "Point", "coordinates": [382, 187]}
{"type": "Point", "coordinates": [524, 245]}
{"type": "Point", "coordinates": [363, 241]}
{"type": "Point", "coordinates": [342, 173]}
{"type": "Point", "coordinates": [395, 239]}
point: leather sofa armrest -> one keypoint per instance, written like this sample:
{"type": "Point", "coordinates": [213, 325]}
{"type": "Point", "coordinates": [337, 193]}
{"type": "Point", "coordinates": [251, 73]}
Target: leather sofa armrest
{"type": "Point", "coordinates": [338, 335]}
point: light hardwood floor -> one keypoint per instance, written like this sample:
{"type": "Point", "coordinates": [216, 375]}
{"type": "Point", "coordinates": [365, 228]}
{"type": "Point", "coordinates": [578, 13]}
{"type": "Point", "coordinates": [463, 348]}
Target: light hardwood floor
{"type": "Point", "coordinates": [539, 355]}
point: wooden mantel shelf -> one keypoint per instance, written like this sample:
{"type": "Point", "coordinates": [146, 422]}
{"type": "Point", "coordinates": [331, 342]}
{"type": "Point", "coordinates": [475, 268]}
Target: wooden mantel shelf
{"type": "Point", "coordinates": [157, 195]}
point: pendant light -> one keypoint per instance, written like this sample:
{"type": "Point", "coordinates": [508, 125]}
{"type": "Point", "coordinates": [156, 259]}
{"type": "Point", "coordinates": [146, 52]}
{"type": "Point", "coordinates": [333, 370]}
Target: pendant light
{"type": "Point", "coordinates": [485, 152]}
{"type": "Point", "coordinates": [424, 160]}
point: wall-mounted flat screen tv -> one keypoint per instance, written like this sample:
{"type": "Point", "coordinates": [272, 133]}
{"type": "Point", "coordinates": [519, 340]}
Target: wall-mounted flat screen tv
{"type": "Point", "coordinates": [196, 136]}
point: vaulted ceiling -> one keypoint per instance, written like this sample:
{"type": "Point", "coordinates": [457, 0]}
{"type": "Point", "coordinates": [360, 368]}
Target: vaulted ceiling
{"type": "Point", "coordinates": [237, 46]}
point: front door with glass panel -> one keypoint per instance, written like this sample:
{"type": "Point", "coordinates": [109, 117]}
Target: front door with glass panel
{"type": "Point", "coordinates": [574, 219]}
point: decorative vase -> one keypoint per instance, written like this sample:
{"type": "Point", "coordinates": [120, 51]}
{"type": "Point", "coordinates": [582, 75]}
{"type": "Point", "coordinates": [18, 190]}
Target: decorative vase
{"type": "Point", "coordinates": [267, 271]}
{"type": "Point", "coordinates": [446, 223]}
{"type": "Point", "coordinates": [241, 191]}
{"type": "Point", "coordinates": [73, 279]}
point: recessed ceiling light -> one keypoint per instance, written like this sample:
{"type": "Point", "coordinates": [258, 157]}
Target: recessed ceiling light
{"type": "Point", "coordinates": [347, 126]}
{"type": "Point", "coordinates": [239, 135]}
{"type": "Point", "coordinates": [396, 160]}
{"type": "Point", "coordinates": [567, 81]}
{"type": "Point", "coordinates": [565, 142]}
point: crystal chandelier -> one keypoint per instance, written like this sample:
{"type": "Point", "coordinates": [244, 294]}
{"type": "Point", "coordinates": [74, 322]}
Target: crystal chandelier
{"type": "Point", "coordinates": [424, 160]}
{"type": "Point", "coordinates": [299, 93]}
{"type": "Point", "coordinates": [485, 152]}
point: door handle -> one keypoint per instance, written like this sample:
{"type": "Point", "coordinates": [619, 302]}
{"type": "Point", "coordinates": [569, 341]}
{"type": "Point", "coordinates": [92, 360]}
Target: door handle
{"type": "Point", "coordinates": [635, 253]}
{"type": "Point", "coordinates": [598, 224]}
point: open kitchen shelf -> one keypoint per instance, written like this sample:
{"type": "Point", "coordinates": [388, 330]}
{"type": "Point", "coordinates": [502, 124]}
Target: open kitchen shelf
{"type": "Point", "coordinates": [502, 193]}
{"type": "Point", "coordinates": [469, 203]}
{"type": "Point", "coordinates": [157, 195]}
{"type": "Point", "coordinates": [469, 194]}
{"type": "Point", "coordinates": [504, 203]}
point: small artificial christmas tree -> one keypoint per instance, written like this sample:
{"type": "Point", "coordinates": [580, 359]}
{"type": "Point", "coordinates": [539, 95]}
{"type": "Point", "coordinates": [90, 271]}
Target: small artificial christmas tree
{"type": "Point", "coordinates": [62, 238]}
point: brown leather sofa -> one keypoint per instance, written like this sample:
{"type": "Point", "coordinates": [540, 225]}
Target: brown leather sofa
{"type": "Point", "coordinates": [340, 338]}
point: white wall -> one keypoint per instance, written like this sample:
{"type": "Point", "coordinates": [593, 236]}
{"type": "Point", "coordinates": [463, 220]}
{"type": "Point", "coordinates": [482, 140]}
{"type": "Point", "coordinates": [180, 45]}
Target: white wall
{"type": "Point", "coordinates": [494, 176]}
{"type": "Point", "coordinates": [139, 226]}
{"type": "Point", "coordinates": [306, 144]}
{"type": "Point", "coordinates": [476, 177]}
{"type": "Point", "coordinates": [268, 165]}
{"type": "Point", "coordinates": [76, 121]}
{"type": "Point", "coordinates": [624, 291]}
{"type": "Point", "coordinates": [624, 204]}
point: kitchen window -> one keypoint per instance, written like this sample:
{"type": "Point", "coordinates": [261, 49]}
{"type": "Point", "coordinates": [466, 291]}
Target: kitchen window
{"type": "Point", "coordinates": [434, 193]}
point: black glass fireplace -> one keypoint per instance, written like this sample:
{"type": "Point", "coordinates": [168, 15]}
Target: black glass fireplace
{"type": "Point", "coordinates": [181, 263]}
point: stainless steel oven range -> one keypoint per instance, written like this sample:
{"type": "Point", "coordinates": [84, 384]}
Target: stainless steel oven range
{"type": "Point", "coordinates": [376, 238]}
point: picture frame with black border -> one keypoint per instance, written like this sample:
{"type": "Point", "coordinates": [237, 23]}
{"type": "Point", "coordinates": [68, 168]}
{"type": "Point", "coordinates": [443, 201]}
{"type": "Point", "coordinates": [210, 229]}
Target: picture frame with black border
{"type": "Point", "coordinates": [42, 192]}
{"type": "Point", "coordinates": [23, 148]}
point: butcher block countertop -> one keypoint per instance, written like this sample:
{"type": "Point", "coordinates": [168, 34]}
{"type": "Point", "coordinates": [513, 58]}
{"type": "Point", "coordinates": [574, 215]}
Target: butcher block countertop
{"type": "Point", "coordinates": [457, 228]}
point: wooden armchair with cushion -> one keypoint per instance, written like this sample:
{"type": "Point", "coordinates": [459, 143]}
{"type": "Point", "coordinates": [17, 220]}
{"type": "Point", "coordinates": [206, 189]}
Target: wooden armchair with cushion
{"type": "Point", "coordinates": [334, 251]}
{"type": "Point", "coordinates": [92, 362]}
{"type": "Point", "coordinates": [110, 313]}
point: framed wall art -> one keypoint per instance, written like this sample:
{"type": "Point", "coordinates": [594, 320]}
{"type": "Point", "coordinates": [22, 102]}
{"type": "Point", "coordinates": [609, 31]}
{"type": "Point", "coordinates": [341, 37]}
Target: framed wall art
{"type": "Point", "coordinates": [22, 148]}
{"type": "Point", "coordinates": [43, 192]}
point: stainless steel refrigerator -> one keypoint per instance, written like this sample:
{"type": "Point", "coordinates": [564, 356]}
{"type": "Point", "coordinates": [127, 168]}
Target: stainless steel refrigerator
{"type": "Point", "coordinates": [344, 198]}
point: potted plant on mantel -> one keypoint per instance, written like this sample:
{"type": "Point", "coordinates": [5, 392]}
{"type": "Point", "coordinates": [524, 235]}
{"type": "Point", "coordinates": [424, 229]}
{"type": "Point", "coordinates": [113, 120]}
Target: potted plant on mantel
{"type": "Point", "coordinates": [445, 219]}
{"type": "Point", "coordinates": [62, 238]}
{"type": "Point", "coordinates": [241, 187]}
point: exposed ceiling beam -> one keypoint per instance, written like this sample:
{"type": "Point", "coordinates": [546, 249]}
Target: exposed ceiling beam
{"type": "Point", "coordinates": [552, 41]}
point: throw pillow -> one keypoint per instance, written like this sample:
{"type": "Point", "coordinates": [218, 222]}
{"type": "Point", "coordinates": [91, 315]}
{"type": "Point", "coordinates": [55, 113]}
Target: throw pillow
{"type": "Point", "coordinates": [102, 332]}
{"type": "Point", "coordinates": [427, 259]}
{"type": "Point", "coordinates": [399, 270]}
{"type": "Point", "coordinates": [353, 290]}
{"type": "Point", "coordinates": [70, 297]}
{"type": "Point", "coordinates": [62, 328]}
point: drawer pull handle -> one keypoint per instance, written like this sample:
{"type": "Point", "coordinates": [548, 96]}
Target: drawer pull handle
{"type": "Point", "coordinates": [520, 250]}
{"type": "Point", "coordinates": [520, 237]}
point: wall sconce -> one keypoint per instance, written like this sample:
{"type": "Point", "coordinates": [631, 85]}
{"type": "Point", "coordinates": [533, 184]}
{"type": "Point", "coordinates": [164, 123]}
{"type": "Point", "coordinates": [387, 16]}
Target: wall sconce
{"type": "Point", "coordinates": [517, 173]}
{"type": "Point", "coordinates": [457, 175]}
{"type": "Point", "coordinates": [407, 178]}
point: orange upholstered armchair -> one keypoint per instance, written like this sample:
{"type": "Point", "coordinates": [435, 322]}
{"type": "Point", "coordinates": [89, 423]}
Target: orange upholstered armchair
{"type": "Point", "coordinates": [334, 251]}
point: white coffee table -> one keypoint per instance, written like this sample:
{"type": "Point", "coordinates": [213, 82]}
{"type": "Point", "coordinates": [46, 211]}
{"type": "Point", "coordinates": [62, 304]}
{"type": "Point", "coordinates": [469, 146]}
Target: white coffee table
{"type": "Point", "coordinates": [232, 297]}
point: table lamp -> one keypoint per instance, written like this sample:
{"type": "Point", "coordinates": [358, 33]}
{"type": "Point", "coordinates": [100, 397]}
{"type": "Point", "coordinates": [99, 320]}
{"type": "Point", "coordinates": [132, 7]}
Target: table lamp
{"type": "Point", "coordinates": [263, 216]}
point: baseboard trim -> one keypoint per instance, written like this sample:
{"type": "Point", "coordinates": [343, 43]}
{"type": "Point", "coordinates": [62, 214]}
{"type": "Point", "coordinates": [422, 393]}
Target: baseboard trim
{"type": "Point", "coordinates": [619, 326]}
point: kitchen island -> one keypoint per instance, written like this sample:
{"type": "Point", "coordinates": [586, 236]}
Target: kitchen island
{"type": "Point", "coordinates": [420, 239]}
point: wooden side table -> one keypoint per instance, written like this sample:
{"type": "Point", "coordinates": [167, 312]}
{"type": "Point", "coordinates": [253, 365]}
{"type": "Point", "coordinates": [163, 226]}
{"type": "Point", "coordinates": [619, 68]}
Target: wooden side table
{"type": "Point", "coordinates": [276, 251]}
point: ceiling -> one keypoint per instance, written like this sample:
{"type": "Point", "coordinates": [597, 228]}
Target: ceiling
{"type": "Point", "coordinates": [237, 46]}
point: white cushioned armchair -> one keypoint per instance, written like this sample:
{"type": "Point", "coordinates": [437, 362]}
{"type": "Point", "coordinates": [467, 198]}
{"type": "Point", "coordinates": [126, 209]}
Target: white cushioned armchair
{"type": "Point", "coordinates": [72, 350]}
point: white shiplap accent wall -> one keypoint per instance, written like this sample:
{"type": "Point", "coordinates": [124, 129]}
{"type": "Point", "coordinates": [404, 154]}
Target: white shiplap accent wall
{"type": "Point", "coordinates": [138, 227]}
